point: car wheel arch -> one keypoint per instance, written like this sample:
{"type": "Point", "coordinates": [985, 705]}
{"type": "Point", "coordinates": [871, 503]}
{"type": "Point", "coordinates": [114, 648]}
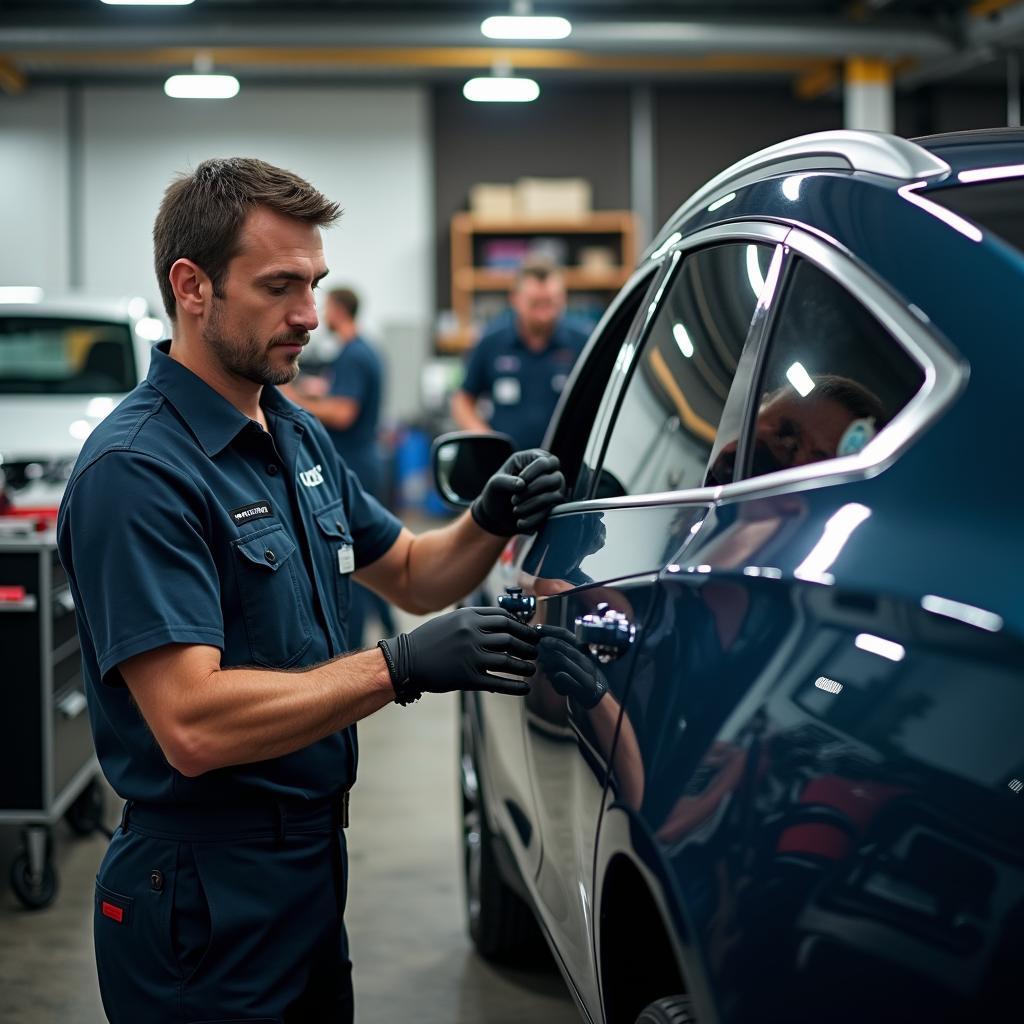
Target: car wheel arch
{"type": "Point", "coordinates": [630, 908]}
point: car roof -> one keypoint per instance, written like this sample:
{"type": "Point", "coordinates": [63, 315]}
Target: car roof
{"type": "Point", "coordinates": [982, 147]}
{"type": "Point", "coordinates": [935, 161]}
{"type": "Point", "coordinates": [89, 307]}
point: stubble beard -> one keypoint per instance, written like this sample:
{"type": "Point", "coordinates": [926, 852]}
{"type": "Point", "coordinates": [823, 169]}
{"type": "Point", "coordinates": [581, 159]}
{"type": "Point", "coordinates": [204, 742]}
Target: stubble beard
{"type": "Point", "coordinates": [248, 357]}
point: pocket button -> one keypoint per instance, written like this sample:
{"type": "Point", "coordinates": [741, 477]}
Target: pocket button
{"type": "Point", "coordinates": [156, 881]}
{"type": "Point", "coordinates": [270, 556]}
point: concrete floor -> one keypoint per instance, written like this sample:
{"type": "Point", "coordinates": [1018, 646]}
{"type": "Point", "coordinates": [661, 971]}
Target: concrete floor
{"type": "Point", "coordinates": [413, 961]}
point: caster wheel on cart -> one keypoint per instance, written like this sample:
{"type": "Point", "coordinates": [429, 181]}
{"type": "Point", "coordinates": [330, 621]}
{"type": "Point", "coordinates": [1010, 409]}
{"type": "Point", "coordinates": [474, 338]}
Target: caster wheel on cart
{"type": "Point", "coordinates": [85, 815]}
{"type": "Point", "coordinates": [35, 890]}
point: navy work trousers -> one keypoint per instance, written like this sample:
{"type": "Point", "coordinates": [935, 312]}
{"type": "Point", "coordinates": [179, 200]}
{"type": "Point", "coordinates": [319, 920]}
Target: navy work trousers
{"type": "Point", "coordinates": [227, 914]}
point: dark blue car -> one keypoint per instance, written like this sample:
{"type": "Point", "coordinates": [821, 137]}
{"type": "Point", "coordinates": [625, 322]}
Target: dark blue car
{"type": "Point", "coordinates": [772, 767]}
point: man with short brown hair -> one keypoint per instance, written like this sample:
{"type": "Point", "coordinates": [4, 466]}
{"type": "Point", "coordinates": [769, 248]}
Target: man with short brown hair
{"type": "Point", "coordinates": [210, 533]}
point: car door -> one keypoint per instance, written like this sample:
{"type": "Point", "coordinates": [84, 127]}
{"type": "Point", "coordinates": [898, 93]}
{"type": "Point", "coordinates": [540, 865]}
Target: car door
{"type": "Point", "coordinates": [594, 566]}
{"type": "Point", "coordinates": [772, 717]}
{"type": "Point", "coordinates": [502, 722]}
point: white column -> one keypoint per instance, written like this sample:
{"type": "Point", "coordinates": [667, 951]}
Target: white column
{"type": "Point", "coordinates": [868, 101]}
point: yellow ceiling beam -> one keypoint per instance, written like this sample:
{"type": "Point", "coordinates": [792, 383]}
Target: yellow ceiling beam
{"type": "Point", "coordinates": [12, 81]}
{"type": "Point", "coordinates": [817, 82]}
{"type": "Point", "coordinates": [983, 8]}
{"type": "Point", "coordinates": [425, 57]}
{"type": "Point", "coordinates": [868, 71]}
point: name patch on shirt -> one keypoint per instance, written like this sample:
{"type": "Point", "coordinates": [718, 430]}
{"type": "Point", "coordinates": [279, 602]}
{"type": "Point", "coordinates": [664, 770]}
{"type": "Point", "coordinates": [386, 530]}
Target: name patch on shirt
{"type": "Point", "coordinates": [257, 510]}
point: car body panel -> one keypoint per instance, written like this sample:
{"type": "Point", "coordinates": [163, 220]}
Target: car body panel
{"type": "Point", "coordinates": [813, 766]}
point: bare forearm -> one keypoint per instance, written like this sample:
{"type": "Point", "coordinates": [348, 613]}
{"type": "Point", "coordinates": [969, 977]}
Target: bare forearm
{"type": "Point", "coordinates": [242, 715]}
{"type": "Point", "coordinates": [465, 415]}
{"type": "Point", "coordinates": [449, 563]}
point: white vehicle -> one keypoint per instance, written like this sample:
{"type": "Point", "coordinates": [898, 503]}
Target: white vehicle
{"type": "Point", "coordinates": [64, 364]}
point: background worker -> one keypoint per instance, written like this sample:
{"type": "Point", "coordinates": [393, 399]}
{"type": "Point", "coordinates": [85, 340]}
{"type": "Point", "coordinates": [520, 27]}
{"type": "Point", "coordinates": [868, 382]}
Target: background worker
{"type": "Point", "coordinates": [521, 364]}
{"type": "Point", "coordinates": [348, 404]}
{"type": "Point", "coordinates": [210, 532]}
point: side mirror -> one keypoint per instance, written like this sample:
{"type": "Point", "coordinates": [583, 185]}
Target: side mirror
{"type": "Point", "coordinates": [464, 462]}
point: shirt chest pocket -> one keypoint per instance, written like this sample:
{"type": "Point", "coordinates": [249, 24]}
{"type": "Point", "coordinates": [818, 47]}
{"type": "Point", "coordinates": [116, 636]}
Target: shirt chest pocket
{"type": "Point", "coordinates": [277, 620]}
{"type": "Point", "coordinates": [339, 561]}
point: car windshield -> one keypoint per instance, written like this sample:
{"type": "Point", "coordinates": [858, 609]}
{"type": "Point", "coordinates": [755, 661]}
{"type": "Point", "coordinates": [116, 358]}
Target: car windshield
{"type": "Point", "coordinates": [995, 205]}
{"type": "Point", "coordinates": [64, 356]}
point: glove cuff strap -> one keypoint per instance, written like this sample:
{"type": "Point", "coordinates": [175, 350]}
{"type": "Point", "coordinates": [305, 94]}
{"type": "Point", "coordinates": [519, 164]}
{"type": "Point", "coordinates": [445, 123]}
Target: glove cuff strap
{"type": "Point", "coordinates": [405, 692]}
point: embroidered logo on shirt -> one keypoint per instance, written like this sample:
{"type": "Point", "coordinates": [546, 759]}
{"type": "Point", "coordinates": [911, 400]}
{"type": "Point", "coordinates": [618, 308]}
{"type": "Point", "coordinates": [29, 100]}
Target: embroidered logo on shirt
{"type": "Point", "coordinates": [257, 510]}
{"type": "Point", "coordinates": [311, 477]}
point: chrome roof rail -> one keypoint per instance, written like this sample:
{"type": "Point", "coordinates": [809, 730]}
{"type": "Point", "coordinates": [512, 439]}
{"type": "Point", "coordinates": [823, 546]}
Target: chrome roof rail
{"type": "Point", "coordinates": [874, 152]}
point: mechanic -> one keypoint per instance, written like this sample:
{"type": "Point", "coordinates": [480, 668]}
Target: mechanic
{"type": "Point", "coordinates": [348, 404]}
{"type": "Point", "coordinates": [522, 364]}
{"type": "Point", "coordinates": [211, 532]}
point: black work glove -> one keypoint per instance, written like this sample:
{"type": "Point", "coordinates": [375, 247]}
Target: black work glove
{"type": "Point", "coordinates": [455, 651]}
{"type": "Point", "coordinates": [518, 498]}
{"type": "Point", "coordinates": [570, 671]}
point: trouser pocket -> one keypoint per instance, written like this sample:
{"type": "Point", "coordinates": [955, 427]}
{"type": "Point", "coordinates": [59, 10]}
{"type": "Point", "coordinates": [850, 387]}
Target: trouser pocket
{"type": "Point", "coordinates": [138, 975]}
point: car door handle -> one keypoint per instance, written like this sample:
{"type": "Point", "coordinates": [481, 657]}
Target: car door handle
{"type": "Point", "coordinates": [607, 634]}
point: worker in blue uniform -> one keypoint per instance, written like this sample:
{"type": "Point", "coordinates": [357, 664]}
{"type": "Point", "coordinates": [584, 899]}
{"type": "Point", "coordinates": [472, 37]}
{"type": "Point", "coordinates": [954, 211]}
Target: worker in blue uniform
{"type": "Point", "coordinates": [521, 364]}
{"type": "Point", "coordinates": [211, 534]}
{"type": "Point", "coordinates": [348, 404]}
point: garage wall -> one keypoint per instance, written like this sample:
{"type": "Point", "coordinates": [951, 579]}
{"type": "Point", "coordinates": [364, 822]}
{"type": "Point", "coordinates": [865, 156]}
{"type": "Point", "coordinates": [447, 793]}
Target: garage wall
{"type": "Point", "coordinates": [568, 132]}
{"type": "Point", "coordinates": [34, 220]}
{"type": "Point", "coordinates": [366, 148]}
{"type": "Point", "coordinates": [699, 132]}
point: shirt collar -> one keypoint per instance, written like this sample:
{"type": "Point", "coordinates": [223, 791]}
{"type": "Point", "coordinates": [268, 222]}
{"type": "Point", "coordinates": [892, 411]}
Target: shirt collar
{"type": "Point", "coordinates": [213, 420]}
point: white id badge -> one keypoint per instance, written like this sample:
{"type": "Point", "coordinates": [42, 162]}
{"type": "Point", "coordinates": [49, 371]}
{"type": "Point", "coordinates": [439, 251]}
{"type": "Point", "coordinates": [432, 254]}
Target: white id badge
{"type": "Point", "coordinates": [346, 559]}
{"type": "Point", "coordinates": [506, 391]}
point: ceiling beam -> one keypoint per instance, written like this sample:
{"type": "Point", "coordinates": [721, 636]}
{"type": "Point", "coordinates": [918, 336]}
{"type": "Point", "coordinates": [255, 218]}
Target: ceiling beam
{"type": "Point", "coordinates": [887, 38]}
{"type": "Point", "coordinates": [12, 81]}
{"type": "Point", "coordinates": [453, 58]}
{"type": "Point", "coordinates": [988, 28]}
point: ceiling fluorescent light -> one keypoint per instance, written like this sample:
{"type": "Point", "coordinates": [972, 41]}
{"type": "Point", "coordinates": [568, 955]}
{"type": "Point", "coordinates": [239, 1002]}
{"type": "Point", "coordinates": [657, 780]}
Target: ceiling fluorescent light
{"type": "Point", "coordinates": [531, 27]}
{"type": "Point", "coordinates": [201, 87]}
{"type": "Point", "coordinates": [499, 89]}
{"type": "Point", "coordinates": [148, 3]}
{"type": "Point", "coordinates": [19, 294]}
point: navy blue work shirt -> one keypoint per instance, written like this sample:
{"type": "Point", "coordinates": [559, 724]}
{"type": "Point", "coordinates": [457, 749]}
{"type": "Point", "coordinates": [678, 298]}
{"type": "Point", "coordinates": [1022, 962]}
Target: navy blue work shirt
{"type": "Point", "coordinates": [185, 522]}
{"type": "Point", "coordinates": [358, 374]}
{"type": "Point", "coordinates": [523, 385]}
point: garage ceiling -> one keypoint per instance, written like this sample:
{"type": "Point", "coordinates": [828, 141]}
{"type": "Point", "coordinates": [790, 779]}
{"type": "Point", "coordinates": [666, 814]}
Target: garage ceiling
{"type": "Point", "coordinates": [798, 40]}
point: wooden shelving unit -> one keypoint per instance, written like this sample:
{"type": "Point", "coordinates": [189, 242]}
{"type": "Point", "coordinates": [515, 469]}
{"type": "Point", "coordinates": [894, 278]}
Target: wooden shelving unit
{"type": "Point", "coordinates": [469, 279]}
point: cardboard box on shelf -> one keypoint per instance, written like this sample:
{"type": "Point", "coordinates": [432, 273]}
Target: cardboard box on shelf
{"type": "Point", "coordinates": [596, 257]}
{"type": "Point", "coordinates": [554, 198]}
{"type": "Point", "coordinates": [494, 202]}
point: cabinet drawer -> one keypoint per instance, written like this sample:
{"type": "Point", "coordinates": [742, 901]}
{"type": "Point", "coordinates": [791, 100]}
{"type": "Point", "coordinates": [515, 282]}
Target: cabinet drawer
{"type": "Point", "coordinates": [72, 736]}
{"type": "Point", "coordinates": [63, 616]}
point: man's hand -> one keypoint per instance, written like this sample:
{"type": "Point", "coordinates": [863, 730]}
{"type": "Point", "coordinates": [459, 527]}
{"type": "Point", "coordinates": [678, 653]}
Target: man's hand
{"type": "Point", "coordinates": [456, 651]}
{"type": "Point", "coordinates": [518, 498]}
{"type": "Point", "coordinates": [570, 671]}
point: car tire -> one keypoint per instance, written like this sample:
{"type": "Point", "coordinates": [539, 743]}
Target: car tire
{"type": "Point", "coordinates": [501, 925]}
{"type": "Point", "coordinates": [673, 1010]}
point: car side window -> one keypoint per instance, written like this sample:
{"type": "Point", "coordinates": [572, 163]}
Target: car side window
{"type": "Point", "coordinates": [833, 377]}
{"type": "Point", "coordinates": [666, 423]}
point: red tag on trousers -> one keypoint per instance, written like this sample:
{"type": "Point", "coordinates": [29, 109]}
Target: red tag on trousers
{"type": "Point", "coordinates": [112, 911]}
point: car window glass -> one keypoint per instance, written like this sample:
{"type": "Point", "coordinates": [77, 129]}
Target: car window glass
{"type": "Point", "coordinates": [579, 429]}
{"type": "Point", "coordinates": [665, 427]}
{"type": "Point", "coordinates": [41, 356]}
{"type": "Point", "coordinates": [833, 377]}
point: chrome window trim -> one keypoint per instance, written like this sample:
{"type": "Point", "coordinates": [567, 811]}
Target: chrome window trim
{"type": "Point", "coordinates": [945, 376]}
{"type": "Point", "coordinates": [763, 232]}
